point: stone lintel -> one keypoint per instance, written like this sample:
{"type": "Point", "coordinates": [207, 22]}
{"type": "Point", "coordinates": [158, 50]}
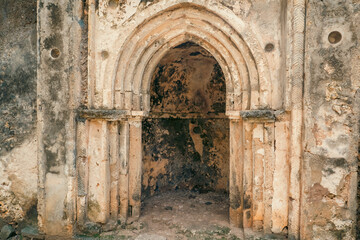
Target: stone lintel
{"type": "Point", "coordinates": [187, 115]}
{"type": "Point", "coordinates": [258, 115]}
{"type": "Point", "coordinates": [109, 114]}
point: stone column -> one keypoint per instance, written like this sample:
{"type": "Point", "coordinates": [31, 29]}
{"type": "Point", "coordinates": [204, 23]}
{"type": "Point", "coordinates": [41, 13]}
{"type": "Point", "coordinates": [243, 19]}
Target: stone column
{"type": "Point", "coordinates": [82, 167]}
{"type": "Point", "coordinates": [99, 172]}
{"type": "Point", "coordinates": [248, 174]}
{"type": "Point", "coordinates": [280, 201]}
{"type": "Point", "coordinates": [258, 179]}
{"type": "Point", "coordinates": [258, 159]}
{"type": "Point", "coordinates": [109, 154]}
{"type": "Point", "coordinates": [135, 166]}
{"type": "Point", "coordinates": [124, 170]}
{"type": "Point", "coordinates": [269, 159]}
{"type": "Point", "coordinates": [114, 169]}
{"type": "Point", "coordinates": [236, 173]}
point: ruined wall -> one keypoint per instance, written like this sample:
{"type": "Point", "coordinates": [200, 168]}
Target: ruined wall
{"type": "Point", "coordinates": [327, 173]}
{"type": "Point", "coordinates": [331, 119]}
{"type": "Point", "coordinates": [18, 63]}
{"type": "Point", "coordinates": [186, 138]}
{"type": "Point", "coordinates": [58, 78]}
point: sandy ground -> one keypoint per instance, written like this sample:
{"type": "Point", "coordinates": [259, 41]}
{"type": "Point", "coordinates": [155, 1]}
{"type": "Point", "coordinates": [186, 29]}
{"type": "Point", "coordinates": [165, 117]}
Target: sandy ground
{"type": "Point", "coordinates": [183, 215]}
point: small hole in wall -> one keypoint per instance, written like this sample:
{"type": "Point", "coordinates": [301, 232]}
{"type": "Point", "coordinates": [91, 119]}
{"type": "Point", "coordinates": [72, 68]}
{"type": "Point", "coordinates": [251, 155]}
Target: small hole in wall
{"type": "Point", "coordinates": [269, 47]}
{"type": "Point", "coordinates": [104, 54]}
{"type": "Point", "coordinates": [334, 37]}
{"type": "Point", "coordinates": [55, 53]}
{"type": "Point", "coordinates": [113, 3]}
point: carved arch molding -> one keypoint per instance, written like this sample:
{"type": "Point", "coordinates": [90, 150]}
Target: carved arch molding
{"type": "Point", "coordinates": [104, 178]}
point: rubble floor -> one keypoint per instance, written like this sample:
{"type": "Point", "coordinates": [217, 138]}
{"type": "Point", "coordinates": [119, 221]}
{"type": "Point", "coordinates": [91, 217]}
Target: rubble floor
{"type": "Point", "coordinates": [180, 215]}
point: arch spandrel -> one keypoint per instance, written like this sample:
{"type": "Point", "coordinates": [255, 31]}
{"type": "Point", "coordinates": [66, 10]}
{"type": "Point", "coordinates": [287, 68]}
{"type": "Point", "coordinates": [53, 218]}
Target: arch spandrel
{"type": "Point", "coordinates": [247, 78]}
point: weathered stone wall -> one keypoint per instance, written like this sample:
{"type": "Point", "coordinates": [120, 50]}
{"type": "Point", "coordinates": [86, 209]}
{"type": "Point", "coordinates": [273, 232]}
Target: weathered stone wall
{"type": "Point", "coordinates": [127, 39]}
{"type": "Point", "coordinates": [331, 120]}
{"type": "Point", "coordinates": [58, 78]}
{"type": "Point", "coordinates": [320, 159]}
{"type": "Point", "coordinates": [184, 148]}
{"type": "Point", "coordinates": [18, 64]}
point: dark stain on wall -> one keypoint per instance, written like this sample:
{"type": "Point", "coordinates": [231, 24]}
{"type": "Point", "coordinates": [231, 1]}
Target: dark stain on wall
{"type": "Point", "coordinates": [55, 16]}
{"type": "Point", "coordinates": [174, 160]}
{"type": "Point", "coordinates": [54, 96]}
{"type": "Point", "coordinates": [186, 138]}
{"type": "Point", "coordinates": [17, 72]}
{"type": "Point", "coordinates": [188, 80]}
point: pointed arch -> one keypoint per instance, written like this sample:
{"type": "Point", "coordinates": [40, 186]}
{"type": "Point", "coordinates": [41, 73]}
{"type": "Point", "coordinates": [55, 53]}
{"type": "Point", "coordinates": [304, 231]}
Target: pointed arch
{"type": "Point", "coordinates": [246, 74]}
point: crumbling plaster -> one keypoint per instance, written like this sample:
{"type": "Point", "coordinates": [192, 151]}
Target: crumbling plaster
{"type": "Point", "coordinates": [331, 125]}
{"type": "Point", "coordinates": [306, 138]}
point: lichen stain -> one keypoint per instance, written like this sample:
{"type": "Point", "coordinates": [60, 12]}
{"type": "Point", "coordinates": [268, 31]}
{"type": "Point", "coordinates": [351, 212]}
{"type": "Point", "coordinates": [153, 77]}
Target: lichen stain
{"type": "Point", "coordinates": [93, 208]}
{"type": "Point", "coordinates": [247, 202]}
{"type": "Point", "coordinates": [235, 196]}
{"type": "Point", "coordinates": [55, 15]}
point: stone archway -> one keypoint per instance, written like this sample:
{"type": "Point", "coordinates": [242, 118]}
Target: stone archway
{"type": "Point", "coordinates": [248, 88]}
{"type": "Point", "coordinates": [245, 70]}
{"type": "Point", "coordinates": [88, 131]}
{"type": "Point", "coordinates": [148, 43]}
{"type": "Point", "coordinates": [109, 131]}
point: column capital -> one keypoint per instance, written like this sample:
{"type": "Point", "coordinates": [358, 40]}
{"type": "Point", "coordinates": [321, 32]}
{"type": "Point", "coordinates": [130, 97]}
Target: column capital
{"type": "Point", "coordinates": [233, 115]}
{"type": "Point", "coordinates": [138, 114]}
{"type": "Point", "coordinates": [256, 115]}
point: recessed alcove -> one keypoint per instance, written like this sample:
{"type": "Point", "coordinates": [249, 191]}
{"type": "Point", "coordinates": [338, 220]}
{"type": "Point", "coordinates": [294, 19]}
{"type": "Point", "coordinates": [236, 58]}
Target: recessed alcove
{"type": "Point", "coordinates": [186, 136]}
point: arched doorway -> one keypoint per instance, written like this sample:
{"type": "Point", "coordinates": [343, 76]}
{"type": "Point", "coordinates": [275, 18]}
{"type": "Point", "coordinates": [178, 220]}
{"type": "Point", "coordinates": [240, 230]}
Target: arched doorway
{"type": "Point", "coordinates": [114, 171]}
{"type": "Point", "coordinates": [103, 174]}
{"type": "Point", "coordinates": [247, 88]}
{"type": "Point", "coordinates": [186, 134]}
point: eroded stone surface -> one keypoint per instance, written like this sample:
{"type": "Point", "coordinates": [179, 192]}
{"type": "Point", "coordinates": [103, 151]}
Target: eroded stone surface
{"type": "Point", "coordinates": [331, 111]}
{"type": "Point", "coordinates": [18, 174]}
{"type": "Point", "coordinates": [291, 171]}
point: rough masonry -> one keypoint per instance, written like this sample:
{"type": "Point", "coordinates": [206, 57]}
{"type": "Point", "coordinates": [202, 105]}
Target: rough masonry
{"type": "Point", "coordinates": [106, 102]}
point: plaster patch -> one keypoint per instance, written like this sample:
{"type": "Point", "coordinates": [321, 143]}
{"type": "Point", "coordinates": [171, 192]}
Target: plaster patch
{"type": "Point", "coordinates": [340, 202]}
{"type": "Point", "coordinates": [261, 151]}
{"type": "Point", "coordinates": [342, 224]}
{"type": "Point", "coordinates": [18, 178]}
{"type": "Point", "coordinates": [56, 189]}
{"type": "Point", "coordinates": [332, 180]}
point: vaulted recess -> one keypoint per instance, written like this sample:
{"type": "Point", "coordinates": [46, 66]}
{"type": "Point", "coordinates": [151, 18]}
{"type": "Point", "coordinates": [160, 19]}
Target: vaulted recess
{"type": "Point", "coordinates": [186, 135]}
